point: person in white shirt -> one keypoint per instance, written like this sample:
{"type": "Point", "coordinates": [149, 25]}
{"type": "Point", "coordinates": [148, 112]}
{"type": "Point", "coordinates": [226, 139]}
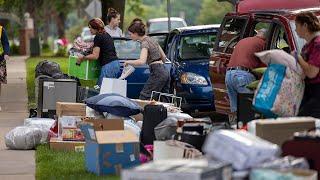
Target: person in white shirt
{"type": "Point", "coordinates": [113, 19]}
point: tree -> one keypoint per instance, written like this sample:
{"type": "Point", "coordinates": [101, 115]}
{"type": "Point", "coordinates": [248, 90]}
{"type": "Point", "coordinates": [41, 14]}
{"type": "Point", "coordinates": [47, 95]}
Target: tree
{"type": "Point", "coordinates": [212, 11]}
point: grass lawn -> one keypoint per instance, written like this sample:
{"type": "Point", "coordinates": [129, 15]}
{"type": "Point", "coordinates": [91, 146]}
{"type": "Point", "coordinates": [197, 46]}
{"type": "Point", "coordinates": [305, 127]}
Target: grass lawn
{"type": "Point", "coordinates": [63, 165]}
{"type": "Point", "coordinates": [53, 164]}
{"type": "Point", "coordinates": [31, 65]}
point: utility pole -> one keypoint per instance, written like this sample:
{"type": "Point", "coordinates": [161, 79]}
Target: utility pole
{"type": "Point", "coordinates": [169, 15]}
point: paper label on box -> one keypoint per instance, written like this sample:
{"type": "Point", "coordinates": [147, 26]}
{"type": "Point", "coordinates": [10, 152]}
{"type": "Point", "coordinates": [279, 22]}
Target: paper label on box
{"type": "Point", "coordinates": [132, 158]}
{"type": "Point", "coordinates": [48, 84]}
{"type": "Point", "coordinates": [92, 134]}
{"type": "Point", "coordinates": [79, 148]}
{"type": "Point", "coordinates": [45, 110]}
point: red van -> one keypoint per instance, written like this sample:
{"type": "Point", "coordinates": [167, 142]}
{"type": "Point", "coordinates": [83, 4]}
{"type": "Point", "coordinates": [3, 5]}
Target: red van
{"type": "Point", "coordinates": [273, 15]}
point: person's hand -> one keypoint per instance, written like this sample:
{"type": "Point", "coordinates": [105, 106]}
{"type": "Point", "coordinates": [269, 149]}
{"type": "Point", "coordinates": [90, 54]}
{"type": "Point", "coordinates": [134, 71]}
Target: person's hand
{"type": "Point", "coordinates": [126, 63]}
{"type": "Point", "coordinates": [80, 59]}
{"type": "Point", "coordinates": [6, 57]}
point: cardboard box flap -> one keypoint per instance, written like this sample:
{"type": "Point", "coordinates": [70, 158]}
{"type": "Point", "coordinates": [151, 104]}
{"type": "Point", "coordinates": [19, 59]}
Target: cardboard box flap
{"type": "Point", "coordinates": [118, 136]}
{"type": "Point", "coordinates": [105, 124]}
{"type": "Point", "coordinates": [70, 109]}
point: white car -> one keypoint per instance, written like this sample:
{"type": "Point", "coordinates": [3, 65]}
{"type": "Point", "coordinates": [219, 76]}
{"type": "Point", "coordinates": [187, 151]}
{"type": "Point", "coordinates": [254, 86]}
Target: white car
{"type": "Point", "coordinates": [161, 24]}
{"type": "Point", "coordinates": [86, 34]}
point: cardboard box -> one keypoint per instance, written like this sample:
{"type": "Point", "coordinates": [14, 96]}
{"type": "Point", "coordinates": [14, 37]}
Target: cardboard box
{"type": "Point", "coordinates": [107, 152]}
{"type": "Point", "coordinates": [88, 70]}
{"type": "Point", "coordinates": [142, 103]}
{"type": "Point", "coordinates": [279, 130]}
{"type": "Point", "coordinates": [59, 145]}
{"type": "Point", "coordinates": [105, 124]}
{"type": "Point", "coordinates": [70, 109]}
{"type": "Point", "coordinates": [186, 169]}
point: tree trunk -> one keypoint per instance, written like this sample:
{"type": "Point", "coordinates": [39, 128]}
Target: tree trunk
{"type": "Point", "coordinates": [60, 21]}
{"type": "Point", "coordinates": [118, 5]}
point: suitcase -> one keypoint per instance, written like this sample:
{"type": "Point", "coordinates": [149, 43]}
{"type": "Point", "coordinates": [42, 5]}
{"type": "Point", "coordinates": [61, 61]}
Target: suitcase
{"type": "Point", "coordinates": [152, 116]}
{"type": "Point", "coordinates": [308, 148]}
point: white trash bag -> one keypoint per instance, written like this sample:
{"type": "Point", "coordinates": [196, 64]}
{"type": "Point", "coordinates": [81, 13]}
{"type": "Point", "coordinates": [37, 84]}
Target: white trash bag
{"type": "Point", "coordinates": [23, 138]}
{"type": "Point", "coordinates": [44, 124]}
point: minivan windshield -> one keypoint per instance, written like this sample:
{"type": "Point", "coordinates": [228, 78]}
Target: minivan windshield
{"type": "Point", "coordinates": [198, 46]}
{"type": "Point", "coordinates": [299, 41]}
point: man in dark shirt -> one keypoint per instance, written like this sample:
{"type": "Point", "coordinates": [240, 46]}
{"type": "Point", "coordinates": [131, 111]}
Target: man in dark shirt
{"type": "Point", "coordinates": [242, 60]}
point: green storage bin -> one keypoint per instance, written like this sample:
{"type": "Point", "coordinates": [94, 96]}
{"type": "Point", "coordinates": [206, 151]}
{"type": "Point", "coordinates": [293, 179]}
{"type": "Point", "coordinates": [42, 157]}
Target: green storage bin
{"type": "Point", "coordinates": [88, 70]}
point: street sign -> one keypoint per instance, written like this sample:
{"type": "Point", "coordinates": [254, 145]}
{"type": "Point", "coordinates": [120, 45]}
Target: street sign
{"type": "Point", "coordinates": [94, 9]}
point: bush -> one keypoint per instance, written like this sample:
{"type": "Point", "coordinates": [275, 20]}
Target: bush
{"type": "Point", "coordinates": [62, 52]}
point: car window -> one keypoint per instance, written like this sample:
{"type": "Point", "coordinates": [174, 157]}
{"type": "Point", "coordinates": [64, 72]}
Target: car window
{"type": "Point", "coordinates": [280, 39]}
{"type": "Point", "coordinates": [127, 49]}
{"type": "Point", "coordinates": [162, 26]}
{"type": "Point", "coordinates": [196, 46]}
{"type": "Point", "coordinates": [161, 39]}
{"type": "Point", "coordinates": [230, 34]}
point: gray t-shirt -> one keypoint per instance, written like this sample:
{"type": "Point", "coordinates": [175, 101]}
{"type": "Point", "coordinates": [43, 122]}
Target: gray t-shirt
{"type": "Point", "coordinates": [153, 49]}
{"type": "Point", "coordinates": [117, 32]}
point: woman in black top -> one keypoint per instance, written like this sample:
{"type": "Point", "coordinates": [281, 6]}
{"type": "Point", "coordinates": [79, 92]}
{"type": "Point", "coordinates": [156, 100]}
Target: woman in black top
{"type": "Point", "coordinates": [103, 50]}
{"type": "Point", "coordinates": [153, 55]}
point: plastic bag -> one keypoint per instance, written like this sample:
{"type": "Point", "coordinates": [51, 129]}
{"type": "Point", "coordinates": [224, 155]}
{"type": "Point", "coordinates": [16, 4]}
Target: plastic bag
{"type": "Point", "coordinates": [240, 148]}
{"type": "Point", "coordinates": [44, 124]}
{"type": "Point", "coordinates": [131, 125]}
{"type": "Point", "coordinates": [23, 137]}
{"type": "Point", "coordinates": [166, 129]}
{"type": "Point", "coordinates": [287, 162]}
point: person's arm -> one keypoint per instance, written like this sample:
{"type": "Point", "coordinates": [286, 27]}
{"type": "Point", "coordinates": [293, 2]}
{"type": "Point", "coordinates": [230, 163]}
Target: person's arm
{"type": "Point", "coordinates": [142, 60]}
{"type": "Point", "coordinates": [310, 70]}
{"type": "Point", "coordinates": [5, 44]}
{"type": "Point", "coordinates": [163, 55]}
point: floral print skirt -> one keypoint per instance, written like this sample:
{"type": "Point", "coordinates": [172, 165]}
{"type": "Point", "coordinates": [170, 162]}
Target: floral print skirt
{"type": "Point", "coordinates": [3, 72]}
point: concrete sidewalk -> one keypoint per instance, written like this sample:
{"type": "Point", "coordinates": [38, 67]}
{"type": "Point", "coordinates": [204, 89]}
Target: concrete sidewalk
{"type": "Point", "coordinates": [13, 101]}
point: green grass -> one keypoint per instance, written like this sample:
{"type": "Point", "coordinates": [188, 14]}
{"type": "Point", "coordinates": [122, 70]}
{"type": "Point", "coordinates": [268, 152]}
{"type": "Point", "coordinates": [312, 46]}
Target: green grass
{"type": "Point", "coordinates": [31, 64]}
{"type": "Point", "coordinates": [53, 164]}
{"type": "Point", "coordinates": [62, 165]}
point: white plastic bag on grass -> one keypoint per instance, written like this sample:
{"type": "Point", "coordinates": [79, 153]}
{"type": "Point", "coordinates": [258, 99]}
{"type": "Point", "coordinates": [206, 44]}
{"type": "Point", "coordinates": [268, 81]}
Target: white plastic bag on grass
{"type": "Point", "coordinates": [44, 124]}
{"type": "Point", "coordinates": [23, 137]}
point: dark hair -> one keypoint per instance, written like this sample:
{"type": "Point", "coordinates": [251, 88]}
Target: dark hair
{"type": "Point", "coordinates": [97, 24]}
{"type": "Point", "coordinates": [310, 19]}
{"type": "Point", "coordinates": [137, 26]}
{"type": "Point", "coordinates": [112, 13]}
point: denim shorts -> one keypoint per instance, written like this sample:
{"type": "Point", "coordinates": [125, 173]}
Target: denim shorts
{"type": "Point", "coordinates": [110, 70]}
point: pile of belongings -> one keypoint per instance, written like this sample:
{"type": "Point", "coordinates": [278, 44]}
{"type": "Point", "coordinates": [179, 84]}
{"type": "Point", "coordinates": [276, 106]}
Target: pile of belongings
{"type": "Point", "coordinates": [81, 47]}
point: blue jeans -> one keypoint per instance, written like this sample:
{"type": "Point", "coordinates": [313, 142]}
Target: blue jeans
{"type": "Point", "coordinates": [110, 70]}
{"type": "Point", "coordinates": [236, 82]}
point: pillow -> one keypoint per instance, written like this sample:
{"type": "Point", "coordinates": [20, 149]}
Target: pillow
{"type": "Point", "coordinates": [113, 103]}
{"type": "Point", "coordinates": [277, 56]}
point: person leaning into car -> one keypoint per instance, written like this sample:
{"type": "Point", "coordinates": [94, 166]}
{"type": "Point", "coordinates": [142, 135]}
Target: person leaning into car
{"type": "Point", "coordinates": [242, 61]}
{"type": "Point", "coordinates": [308, 28]}
{"type": "Point", "coordinates": [103, 50]}
{"type": "Point", "coordinates": [153, 55]}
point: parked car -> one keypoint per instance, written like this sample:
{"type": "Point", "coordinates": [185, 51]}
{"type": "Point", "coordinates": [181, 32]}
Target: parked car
{"type": "Point", "coordinates": [188, 51]}
{"type": "Point", "coordinates": [161, 24]}
{"type": "Point", "coordinates": [238, 25]}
